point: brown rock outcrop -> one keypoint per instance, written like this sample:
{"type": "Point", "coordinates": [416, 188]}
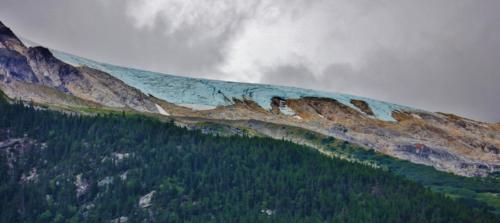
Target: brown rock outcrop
{"type": "Point", "coordinates": [363, 106]}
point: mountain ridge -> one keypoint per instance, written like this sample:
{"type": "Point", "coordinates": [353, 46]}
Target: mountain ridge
{"type": "Point", "coordinates": [446, 142]}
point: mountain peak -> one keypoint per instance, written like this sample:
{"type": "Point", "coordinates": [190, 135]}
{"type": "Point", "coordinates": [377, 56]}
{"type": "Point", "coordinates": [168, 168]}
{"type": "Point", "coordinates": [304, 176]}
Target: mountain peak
{"type": "Point", "coordinates": [34, 74]}
{"type": "Point", "coordinates": [10, 41]}
{"type": "Point", "coordinates": [6, 31]}
{"type": "Point", "coordinates": [40, 52]}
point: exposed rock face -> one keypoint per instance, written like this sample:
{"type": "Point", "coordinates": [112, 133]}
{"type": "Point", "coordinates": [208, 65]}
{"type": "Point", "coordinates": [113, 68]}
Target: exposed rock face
{"type": "Point", "coordinates": [15, 66]}
{"type": "Point", "coordinates": [121, 219]}
{"type": "Point", "coordinates": [325, 108]}
{"type": "Point", "coordinates": [34, 74]}
{"type": "Point", "coordinates": [363, 106]}
{"type": "Point", "coordinates": [8, 40]}
{"type": "Point", "coordinates": [49, 70]}
{"type": "Point", "coordinates": [448, 143]}
{"type": "Point", "coordinates": [82, 186]}
{"type": "Point", "coordinates": [145, 201]}
{"type": "Point", "coordinates": [443, 159]}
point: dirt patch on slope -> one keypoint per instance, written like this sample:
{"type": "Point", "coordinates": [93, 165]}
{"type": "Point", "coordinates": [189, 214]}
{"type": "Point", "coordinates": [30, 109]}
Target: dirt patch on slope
{"type": "Point", "coordinates": [363, 106]}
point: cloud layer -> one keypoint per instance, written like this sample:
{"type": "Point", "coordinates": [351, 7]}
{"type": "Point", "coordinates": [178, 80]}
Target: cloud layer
{"type": "Point", "coordinates": [436, 55]}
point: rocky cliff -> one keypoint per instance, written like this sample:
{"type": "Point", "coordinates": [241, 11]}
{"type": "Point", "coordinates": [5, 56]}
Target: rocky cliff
{"type": "Point", "coordinates": [34, 74]}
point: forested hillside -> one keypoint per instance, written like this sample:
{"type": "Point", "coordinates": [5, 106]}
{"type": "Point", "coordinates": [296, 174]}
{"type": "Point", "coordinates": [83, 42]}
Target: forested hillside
{"type": "Point", "coordinates": [58, 167]}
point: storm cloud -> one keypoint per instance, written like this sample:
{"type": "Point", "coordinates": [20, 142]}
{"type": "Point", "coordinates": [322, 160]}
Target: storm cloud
{"type": "Point", "coordinates": [435, 55]}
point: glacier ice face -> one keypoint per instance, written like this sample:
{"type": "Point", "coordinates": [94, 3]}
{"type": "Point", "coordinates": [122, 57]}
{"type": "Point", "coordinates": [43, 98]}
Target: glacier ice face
{"type": "Point", "coordinates": [198, 93]}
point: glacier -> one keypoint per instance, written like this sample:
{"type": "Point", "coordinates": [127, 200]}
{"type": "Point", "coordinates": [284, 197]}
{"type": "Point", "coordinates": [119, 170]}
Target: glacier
{"type": "Point", "coordinates": [200, 94]}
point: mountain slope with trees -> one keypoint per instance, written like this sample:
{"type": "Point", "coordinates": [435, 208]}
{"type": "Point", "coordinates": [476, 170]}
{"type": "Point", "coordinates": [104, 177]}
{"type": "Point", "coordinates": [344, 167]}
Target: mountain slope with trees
{"type": "Point", "coordinates": [58, 167]}
{"type": "Point", "coordinates": [446, 142]}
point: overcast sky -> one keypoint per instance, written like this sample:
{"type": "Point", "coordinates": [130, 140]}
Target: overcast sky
{"type": "Point", "coordinates": [439, 55]}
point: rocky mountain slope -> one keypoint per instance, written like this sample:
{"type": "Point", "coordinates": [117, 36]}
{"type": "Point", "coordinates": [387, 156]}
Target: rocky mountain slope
{"type": "Point", "coordinates": [447, 142]}
{"type": "Point", "coordinates": [34, 74]}
{"type": "Point", "coordinates": [56, 167]}
{"type": "Point", "coordinates": [444, 141]}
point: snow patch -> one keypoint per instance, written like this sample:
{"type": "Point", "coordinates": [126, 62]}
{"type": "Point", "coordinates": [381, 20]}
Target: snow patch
{"type": "Point", "coordinates": [161, 110]}
{"type": "Point", "coordinates": [198, 107]}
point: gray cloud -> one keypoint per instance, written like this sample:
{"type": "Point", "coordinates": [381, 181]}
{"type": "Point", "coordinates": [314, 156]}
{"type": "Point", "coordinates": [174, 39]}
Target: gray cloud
{"type": "Point", "coordinates": [454, 71]}
{"type": "Point", "coordinates": [435, 55]}
{"type": "Point", "coordinates": [469, 89]}
{"type": "Point", "coordinates": [104, 31]}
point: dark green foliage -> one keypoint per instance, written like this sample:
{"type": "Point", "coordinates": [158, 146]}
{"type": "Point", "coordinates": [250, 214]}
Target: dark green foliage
{"type": "Point", "coordinates": [3, 97]}
{"type": "Point", "coordinates": [196, 177]}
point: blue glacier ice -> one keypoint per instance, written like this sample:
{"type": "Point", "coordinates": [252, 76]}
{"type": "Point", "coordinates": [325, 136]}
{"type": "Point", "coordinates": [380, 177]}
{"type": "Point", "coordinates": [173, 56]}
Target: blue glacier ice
{"type": "Point", "coordinates": [200, 93]}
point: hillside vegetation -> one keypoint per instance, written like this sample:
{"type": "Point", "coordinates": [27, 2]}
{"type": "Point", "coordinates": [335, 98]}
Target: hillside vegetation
{"type": "Point", "coordinates": [92, 169]}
